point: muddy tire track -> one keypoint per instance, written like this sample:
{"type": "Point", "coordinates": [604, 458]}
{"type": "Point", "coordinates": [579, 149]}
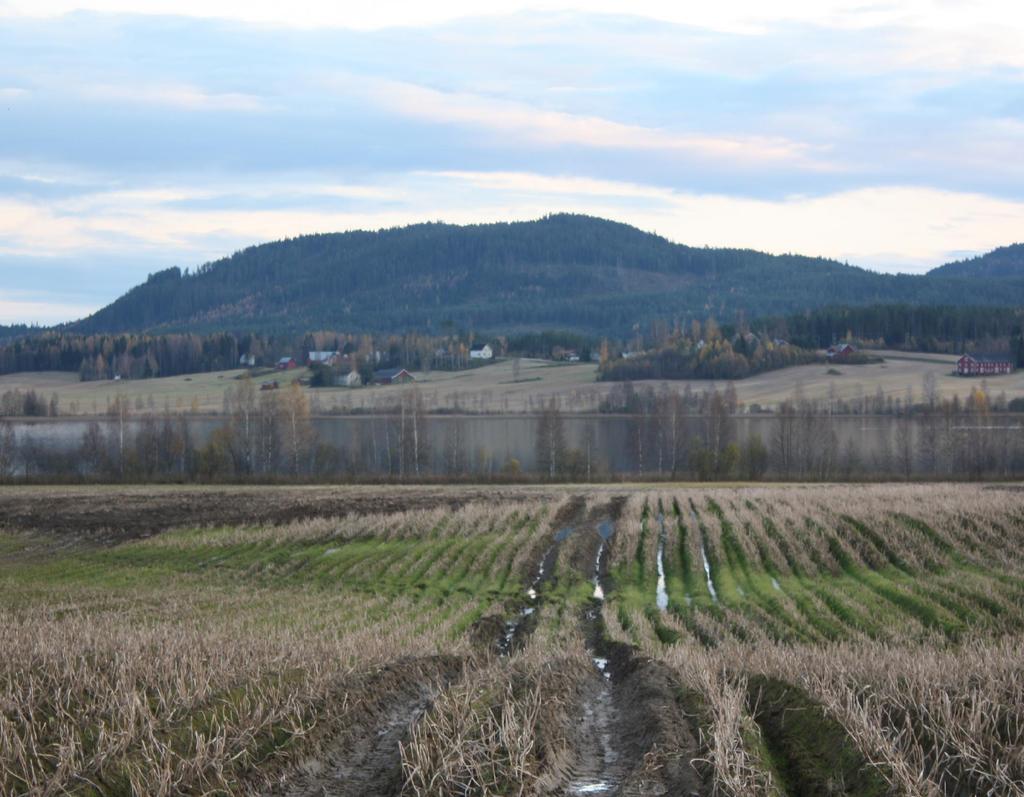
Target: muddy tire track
{"type": "Point", "coordinates": [636, 731]}
{"type": "Point", "coordinates": [811, 752]}
{"type": "Point", "coordinates": [364, 760]}
{"type": "Point", "coordinates": [504, 635]}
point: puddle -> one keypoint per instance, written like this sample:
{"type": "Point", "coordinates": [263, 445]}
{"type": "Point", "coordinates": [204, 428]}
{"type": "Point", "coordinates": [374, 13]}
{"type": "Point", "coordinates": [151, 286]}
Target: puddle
{"type": "Point", "coordinates": [599, 761]}
{"type": "Point", "coordinates": [531, 593]}
{"type": "Point", "coordinates": [606, 529]}
{"type": "Point", "coordinates": [593, 787]}
{"type": "Point", "coordinates": [510, 632]}
{"type": "Point", "coordinates": [662, 595]}
{"type": "Point", "coordinates": [707, 572]}
{"type": "Point", "coordinates": [562, 533]}
{"type": "Point", "coordinates": [512, 626]}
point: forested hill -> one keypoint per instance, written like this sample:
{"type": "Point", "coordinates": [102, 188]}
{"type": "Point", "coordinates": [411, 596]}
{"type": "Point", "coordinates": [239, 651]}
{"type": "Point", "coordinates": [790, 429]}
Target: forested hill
{"type": "Point", "coordinates": [1006, 262]}
{"type": "Point", "coordinates": [563, 271]}
{"type": "Point", "coordinates": [16, 331]}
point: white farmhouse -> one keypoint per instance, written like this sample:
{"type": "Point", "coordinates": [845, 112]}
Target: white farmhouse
{"type": "Point", "coordinates": [481, 351]}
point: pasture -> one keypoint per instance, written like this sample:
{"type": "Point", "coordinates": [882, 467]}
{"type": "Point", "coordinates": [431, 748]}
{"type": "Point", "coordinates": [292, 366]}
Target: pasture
{"type": "Point", "coordinates": [494, 388]}
{"type": "Point", "coordinates": [788, 640]}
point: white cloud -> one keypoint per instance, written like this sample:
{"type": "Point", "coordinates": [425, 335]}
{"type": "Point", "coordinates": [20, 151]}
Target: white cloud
{"type": "Point", "coordinates": [182, 97]}
{"type": "Point", "coordinates": [40, 311]}
{"type": "Point", "coordinates": [885, 227]}
{"type": "Point", "coordinates": [520, 121]}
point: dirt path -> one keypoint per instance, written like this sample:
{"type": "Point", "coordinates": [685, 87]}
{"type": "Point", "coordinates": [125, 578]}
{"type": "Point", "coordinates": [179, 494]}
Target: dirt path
{"type": "Point", "coordinates": [634, 737]}
{"type": "Point", "coordinates": [364, 759]}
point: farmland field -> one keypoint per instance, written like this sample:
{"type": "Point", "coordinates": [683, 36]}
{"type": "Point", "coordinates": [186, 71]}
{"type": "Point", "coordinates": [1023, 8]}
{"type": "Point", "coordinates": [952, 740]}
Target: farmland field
{"type": "Point", "coordinates": [787, 640]}
{"type": "Point", "coordinates": [494, 388]}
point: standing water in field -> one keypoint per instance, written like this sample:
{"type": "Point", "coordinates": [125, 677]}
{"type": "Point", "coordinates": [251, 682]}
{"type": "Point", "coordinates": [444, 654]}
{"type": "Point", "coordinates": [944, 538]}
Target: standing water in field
{"type": "Point", "coordinates": [600, 768]}
{"type": "Point", "coordinates": [707, 572]}
{"type": "Point", "coordinates": [546, 561]}
{"type": "Point", "coordinates": [707, 564]}
{"type": "Point", "coordinates": [598, 589]}
{"type": "Point", "coordinates": [606, 529]}
{"type": "Point", "coordinates": [662, 596]}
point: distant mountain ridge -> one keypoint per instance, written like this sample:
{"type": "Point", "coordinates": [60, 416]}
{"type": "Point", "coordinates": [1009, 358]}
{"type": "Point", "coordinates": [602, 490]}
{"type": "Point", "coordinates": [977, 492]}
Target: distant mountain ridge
{"type": "Point", "coordinates": [563, 271]}
{"type": "Point", "coordinates": [1006, 262]}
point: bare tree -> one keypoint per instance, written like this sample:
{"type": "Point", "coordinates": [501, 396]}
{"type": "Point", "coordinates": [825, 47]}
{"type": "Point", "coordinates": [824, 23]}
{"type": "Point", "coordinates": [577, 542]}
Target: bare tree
{"type": "Point", "coordinates": [119, 410]}
{"type": "Point", "coordinates": [298, 429]}
{"type": "Point", "coordinates": [930, 389]}
{"type": "Point", "coordinates": [7, 449]}
{"type": "Point", "coordinates": [784, 438]}
{"type": "Point", "coordinates": [550, 439]}
{"type": "Point", "coordinates": [903, 438]}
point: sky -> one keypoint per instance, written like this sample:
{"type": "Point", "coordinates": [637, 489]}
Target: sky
{"type": "Point", "coordinates": [135, 136]}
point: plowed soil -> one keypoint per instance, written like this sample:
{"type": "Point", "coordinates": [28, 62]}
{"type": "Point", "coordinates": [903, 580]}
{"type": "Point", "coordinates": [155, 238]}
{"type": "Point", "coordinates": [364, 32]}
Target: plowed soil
{"type": "Point", "coordinates": [107, 516]}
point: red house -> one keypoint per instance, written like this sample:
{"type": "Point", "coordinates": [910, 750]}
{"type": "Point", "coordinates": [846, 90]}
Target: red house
{"type": "Point", "coordinates": [840, 351]}
{"type": "Point", "coordinates": [393, 376]}
{"type": "Point", "coordinates": [286, 364]}
{"type": "Point", "coordinates": [976, 365]}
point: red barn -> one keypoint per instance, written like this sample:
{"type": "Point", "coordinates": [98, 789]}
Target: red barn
{"type": "Point", "coordinates": [286, 364]}
{"type": "Point", "coordinates": [393, 376]}
{"type": "Point", "coordinates": [840, 351]}
{"type": "Point", "coordinates": [976, 365]}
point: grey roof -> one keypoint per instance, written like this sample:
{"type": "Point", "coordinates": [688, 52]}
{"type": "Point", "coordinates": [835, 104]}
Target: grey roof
{"type": "Point", "coordinates": [390, 373]}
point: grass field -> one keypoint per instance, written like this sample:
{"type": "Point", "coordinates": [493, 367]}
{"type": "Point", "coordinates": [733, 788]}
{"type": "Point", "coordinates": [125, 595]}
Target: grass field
{"type": "Point", "coordinates": [492, 388]}
{"type": "Point", "coordinates": [790, 640]}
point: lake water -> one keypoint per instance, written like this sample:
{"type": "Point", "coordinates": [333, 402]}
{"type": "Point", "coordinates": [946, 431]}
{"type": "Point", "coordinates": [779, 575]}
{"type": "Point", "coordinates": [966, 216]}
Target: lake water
{"type": "Point", "coordinates": [611, 442]}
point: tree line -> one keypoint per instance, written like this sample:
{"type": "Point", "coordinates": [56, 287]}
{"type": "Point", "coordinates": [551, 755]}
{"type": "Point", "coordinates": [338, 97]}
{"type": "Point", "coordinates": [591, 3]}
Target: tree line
{"type": "Point", "coordinates": [929, 328]}
{"type": "Point", "coordinates": [132, 356]}
{"type": "Point", "coordinates": [663, 434]}
{"type": "Point", "coordinates": [702, 352]}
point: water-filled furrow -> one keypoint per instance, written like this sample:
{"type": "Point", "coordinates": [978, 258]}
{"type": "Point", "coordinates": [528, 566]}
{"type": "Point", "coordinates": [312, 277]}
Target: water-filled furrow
{"type": "Point", "coordinates": [662, 592]}
{"type": "Point", "coordinates": [707, 572]}
{"type": "Point", "coordinates": [598, 589]}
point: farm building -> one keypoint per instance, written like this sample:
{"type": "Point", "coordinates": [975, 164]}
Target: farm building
{"type": "Point", "coordinates": [481, 351]}
{"type": "Point", "coordinates": [977, 365]}
{"type": "Point", "coordinates": [286, 364]}
{"type": "Point", "coordinates": [840, 351]}
{"type": "Point", "coordinates": [328, 358]}
{"type": "Point", "coordinates": [392, 376]}
{"type": "Point", "coordinates": [247, 360]}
